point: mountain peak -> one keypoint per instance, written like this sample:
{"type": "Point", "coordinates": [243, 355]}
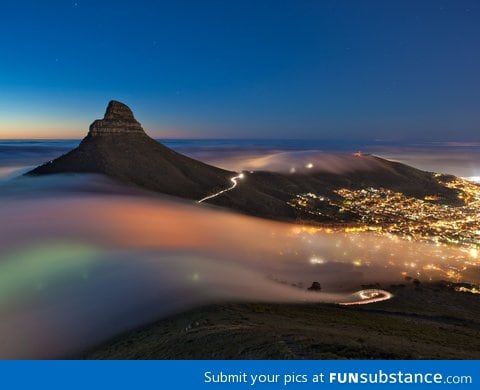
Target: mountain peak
{"type": "Point", "coordinates": [118, 111]}
{"type": "Point", "coordinates": [118, 119]}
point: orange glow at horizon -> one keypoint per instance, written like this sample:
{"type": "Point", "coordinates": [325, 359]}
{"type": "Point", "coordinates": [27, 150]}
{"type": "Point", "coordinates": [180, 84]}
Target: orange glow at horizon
{"type": "Point", "coordinates": [41, 129]}
{"type": "Point", "coordinates": [71, 130]}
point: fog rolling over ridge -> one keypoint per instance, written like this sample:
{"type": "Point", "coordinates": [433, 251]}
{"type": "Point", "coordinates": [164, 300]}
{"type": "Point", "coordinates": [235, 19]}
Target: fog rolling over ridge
{"type": "Point", "coordinates": [84, 259]}
{"type": "Point", "coordinates": [456, 158]}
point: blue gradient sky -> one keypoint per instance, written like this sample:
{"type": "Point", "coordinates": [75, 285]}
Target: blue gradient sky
{"type": "Point", "coordinates": [267, 69]}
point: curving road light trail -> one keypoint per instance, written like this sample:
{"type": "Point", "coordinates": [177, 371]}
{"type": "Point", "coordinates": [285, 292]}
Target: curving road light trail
{"type": "Point", "coordinates": [233, 180]}
{"type": "Point", "coordinates": [369, 296]}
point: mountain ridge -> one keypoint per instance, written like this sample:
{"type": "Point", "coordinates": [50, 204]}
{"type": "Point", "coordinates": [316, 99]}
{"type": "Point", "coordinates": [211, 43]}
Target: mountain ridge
{"type": "Point", "coordinates": [118, 147]}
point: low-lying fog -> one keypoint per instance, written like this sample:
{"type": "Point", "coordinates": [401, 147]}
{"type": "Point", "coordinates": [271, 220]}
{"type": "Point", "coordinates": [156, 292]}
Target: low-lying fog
{"type": "Point", "coordinates": [83, 259]}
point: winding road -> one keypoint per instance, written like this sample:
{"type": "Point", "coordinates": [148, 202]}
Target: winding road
{"type": "Point", "coordinates": [233, 180]}
{"type": "Point", "coordinates": [369, 296]}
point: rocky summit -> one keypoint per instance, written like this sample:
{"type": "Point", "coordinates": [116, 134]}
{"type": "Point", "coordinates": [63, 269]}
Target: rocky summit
{"type": "Point", "coordinates": [117, 146]}
{"type": "Point", "coordinates": [118, 119]}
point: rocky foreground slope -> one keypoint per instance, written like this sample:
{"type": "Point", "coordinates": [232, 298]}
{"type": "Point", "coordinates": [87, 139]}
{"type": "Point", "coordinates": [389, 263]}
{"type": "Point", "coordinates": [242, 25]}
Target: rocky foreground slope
{"type": "Point", "coordinates": [431, 321]}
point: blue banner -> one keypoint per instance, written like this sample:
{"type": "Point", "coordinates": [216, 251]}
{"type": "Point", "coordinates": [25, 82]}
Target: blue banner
{"type": "Point", "coordinates": [221, 374]}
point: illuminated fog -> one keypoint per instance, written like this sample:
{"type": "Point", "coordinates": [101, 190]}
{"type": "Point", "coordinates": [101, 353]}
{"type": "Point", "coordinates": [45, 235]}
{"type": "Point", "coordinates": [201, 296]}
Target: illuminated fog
{"type": "Point", "coordinates": [83, 258]}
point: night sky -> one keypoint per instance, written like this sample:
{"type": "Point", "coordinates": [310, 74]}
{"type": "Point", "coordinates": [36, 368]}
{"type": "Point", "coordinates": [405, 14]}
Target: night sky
{"type": "Point", "coordinates": [390, 70]}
